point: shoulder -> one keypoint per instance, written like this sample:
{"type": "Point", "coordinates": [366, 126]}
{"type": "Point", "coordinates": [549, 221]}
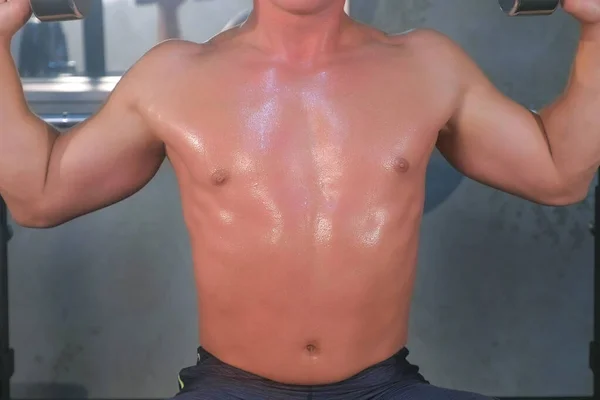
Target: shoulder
{"type": "Point", "coordinates": [175, 47]}
{"type": "Point", "coordinates": [154, 73]}
{"type": "Point", "coordinates": [421, 36]}
{"type": "Point", "coordinates": [161, 66]}
{"type": "Point", "coordinates": [176, 54]}
{"type": "Point", "coordinates": [430, 44]}
{"type": "Point", "coordinates": [169, 56]}
{"type": "Point", "coordinates": [437, 53]}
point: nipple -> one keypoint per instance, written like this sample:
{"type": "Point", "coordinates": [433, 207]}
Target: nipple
{"type": "Point", "coordinates": [220, 177]}
{"type": "Point", "coordinates": [401, 165]}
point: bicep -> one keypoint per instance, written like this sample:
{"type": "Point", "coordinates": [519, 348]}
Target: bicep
{"type": "Point", "coordinates": [496, 141]}
{"type": "Point", "coordinates": [102, 161]}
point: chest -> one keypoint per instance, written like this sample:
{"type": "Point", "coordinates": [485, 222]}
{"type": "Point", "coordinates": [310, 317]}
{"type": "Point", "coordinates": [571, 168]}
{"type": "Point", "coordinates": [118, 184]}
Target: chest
{"type": "Point", "coordinates": [325, 127]}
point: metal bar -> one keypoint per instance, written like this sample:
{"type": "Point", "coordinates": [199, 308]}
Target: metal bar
{"type": "Point", "coordinates": [6, 357]}
{"type": "Point", "coordinates": [499, 398]}
{"type": "Point", "coordinates": [93, 41]}
{"type": "Point", "coordinates": [594, 346]}
{"type": "Point", "coordinates": [64, 121]}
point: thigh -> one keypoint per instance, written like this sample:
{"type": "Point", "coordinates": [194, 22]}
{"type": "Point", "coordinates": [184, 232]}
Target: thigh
{"type": "Point", "coordinates": [425, 391]}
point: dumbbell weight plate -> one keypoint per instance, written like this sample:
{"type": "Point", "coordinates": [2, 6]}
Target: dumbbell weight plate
{"type": "Point", "coordinates": [529, 7]}
{"type": "Point", "coordinates": [60, 10]}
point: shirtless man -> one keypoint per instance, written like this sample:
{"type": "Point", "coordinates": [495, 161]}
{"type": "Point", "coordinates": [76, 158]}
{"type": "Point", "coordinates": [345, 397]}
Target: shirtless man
{"type": "Point", "coordinates": [300, 142]}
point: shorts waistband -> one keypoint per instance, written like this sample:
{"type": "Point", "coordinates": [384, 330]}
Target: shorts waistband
{"type": "Point", "coordinates": [401, 355]}
{"type": "Point", "coordinates": [395, 368]}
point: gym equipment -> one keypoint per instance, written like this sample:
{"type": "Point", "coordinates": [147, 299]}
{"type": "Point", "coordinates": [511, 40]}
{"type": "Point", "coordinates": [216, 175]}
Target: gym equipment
{"type": "Point", "coordinates": [528, 7]}
{"type": "Point", "coordinates": [67, 10]}
{"type": "Point", "coordinates": [43, 51]}
{"type": "Point", "coordinates": [60, 10]}
{"type": "Point", "coordinates": [7, 355]}
{"type": "Point", "coordinates": [595, 344]}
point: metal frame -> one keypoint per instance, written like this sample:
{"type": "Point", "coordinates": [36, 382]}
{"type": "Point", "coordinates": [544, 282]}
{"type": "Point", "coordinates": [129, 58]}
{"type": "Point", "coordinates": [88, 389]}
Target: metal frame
{"type": "Point", "coordinates": [93, 39]}
{"type": "Point", "coordinates": [595, 344]}
{"type": "Point", "coordinates": [7, 359]}
{"type": "Point", "coordinates": [67, 97]}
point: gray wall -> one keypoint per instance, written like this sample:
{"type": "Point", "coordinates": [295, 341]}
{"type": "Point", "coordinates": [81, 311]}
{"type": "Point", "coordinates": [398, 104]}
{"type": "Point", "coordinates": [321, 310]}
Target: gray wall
{"type": "Point", "coordinates": [105, 306]}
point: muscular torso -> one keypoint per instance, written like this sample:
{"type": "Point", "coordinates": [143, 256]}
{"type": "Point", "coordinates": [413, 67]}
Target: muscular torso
{"type": "Point", "coordinates": [302, 190]}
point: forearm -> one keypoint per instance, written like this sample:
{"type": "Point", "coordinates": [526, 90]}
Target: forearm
{"type": "Point", "coordinates": [26, 142]}
{"type": "Point", "coordinates": [168, 24]}
{"type": "Point", "coordinates": [572, 122]}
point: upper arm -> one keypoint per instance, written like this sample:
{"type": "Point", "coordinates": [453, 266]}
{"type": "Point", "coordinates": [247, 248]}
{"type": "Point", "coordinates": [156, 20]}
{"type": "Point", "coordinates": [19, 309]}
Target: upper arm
{"type": "Point", "coordinates": [111, 155]}
{"type": "Point", "coordinates": [489, 137]}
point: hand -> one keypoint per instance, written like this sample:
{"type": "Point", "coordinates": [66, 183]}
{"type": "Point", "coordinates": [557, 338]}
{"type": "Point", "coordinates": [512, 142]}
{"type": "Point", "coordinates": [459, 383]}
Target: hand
{"type": "Point", "coordinates": [13, 15]}
{"type": "Point", "coordinates": [586, 11]}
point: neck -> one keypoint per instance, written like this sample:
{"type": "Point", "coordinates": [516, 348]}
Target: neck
{"type": "Point", "coordinates": [296, 36]}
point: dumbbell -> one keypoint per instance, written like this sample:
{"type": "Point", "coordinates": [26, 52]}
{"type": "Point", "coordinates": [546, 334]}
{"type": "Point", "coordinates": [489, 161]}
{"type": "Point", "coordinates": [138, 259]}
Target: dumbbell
{"type": "Point", "coordinates": [60, 10]}
{"type": "Point", "coordinates": [528, 7]}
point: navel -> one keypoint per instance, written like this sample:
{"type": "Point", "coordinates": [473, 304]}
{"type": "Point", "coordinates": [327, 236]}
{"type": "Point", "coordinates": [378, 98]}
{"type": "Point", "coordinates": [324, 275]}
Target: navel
{"type": "Point", "coordinates": [220, 177]}
{"type": "Point", "coordinates": [312, 349]}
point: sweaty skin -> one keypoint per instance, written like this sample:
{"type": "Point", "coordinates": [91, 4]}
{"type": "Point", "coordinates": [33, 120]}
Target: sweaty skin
{"type": "Point", "coordinates": [300, 143]}
{"type": "Point", "coordinates": [302, 189]}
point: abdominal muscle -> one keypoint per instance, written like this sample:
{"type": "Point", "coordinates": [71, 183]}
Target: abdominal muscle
{"type": "Point", "coordinates": [308, 297]}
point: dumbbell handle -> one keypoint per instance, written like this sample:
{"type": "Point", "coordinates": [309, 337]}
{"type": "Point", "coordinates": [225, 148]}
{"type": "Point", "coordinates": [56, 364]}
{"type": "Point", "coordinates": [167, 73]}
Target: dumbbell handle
{"type": "Point", "coordinates": [529, 7]}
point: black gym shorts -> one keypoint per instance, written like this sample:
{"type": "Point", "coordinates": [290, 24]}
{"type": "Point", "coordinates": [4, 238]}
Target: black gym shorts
{"type": "Point", "coordinates": [394, 378]}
